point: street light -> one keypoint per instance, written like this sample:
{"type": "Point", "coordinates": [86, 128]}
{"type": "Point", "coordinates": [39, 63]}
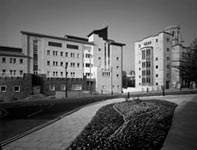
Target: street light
{"type": "Point", "coordinates": [66, 81]}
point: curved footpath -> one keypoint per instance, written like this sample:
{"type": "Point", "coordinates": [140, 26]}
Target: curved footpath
{"type": "Point", "coordinates": [58, 135]}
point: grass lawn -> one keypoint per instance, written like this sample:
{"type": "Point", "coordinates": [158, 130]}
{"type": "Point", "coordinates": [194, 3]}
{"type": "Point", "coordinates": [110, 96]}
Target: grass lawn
{"type": "Point", "coordinates": [134, 125]}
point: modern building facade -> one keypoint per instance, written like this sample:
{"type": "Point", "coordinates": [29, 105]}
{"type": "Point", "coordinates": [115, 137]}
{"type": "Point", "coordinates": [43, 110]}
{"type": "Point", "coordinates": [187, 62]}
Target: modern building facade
{"type": "Point", "coordinates": [96, 60]}
{"type": "Point", "coordinates": [155, 60]}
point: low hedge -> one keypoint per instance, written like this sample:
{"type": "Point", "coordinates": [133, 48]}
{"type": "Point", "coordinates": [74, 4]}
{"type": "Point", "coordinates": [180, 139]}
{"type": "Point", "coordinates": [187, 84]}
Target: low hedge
{"type": "Point", "coordinates": [136, 125]}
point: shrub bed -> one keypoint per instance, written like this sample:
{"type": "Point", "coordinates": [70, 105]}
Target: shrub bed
{"type": "Point", "coordinates": [140, 125]}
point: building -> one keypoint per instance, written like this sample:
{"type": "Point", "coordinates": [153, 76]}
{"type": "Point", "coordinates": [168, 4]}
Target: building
{"type": "Point", "coordinates": [155, 58]}
{"type": "Point", "coordinates": [95, 60]}
{"type": "Point", "coordinates": [13, 62]}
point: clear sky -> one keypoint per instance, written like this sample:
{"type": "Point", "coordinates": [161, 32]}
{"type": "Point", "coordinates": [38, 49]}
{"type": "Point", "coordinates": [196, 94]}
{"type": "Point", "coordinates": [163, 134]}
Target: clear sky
{"type": "Point", "coordinates": [128, 20]}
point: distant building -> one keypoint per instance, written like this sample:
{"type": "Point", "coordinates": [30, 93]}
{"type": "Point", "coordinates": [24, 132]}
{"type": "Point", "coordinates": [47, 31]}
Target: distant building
{"type": "Point", "coordinates": [155, 58]}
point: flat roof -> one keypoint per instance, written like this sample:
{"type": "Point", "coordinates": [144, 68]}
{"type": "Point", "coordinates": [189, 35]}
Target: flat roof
{"type": "Point", "coordinates": [11, 51]}
{"type": "Point", "coordinates": [66, 38]}
{"type": "Point", "coordinates": [153, 36]}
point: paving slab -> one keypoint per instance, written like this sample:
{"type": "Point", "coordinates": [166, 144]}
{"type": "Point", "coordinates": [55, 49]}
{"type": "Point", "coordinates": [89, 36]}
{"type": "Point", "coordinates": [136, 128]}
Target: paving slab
{"type": "Point", "coordinates": [61, 133]}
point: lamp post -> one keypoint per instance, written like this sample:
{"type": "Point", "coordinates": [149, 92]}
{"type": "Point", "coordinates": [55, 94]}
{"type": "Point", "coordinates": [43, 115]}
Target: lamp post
{"type": "Point", "coordinates": [66, 81]}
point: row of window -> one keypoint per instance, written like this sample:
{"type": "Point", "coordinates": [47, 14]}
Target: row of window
{"type": "Point", "coordinates": [56, 44]}
{"type": "Point", "coordinates": [12, 72]}
{"type": "Point", "coordinates": [55, 63]}
{"type": "Point", "coordinates": [56, 74]}
{"type": "Point", "coordinates": [12, 60]}
{"type": "Point", "coordinates": [55, 53]}
{"type": "Point", "coordinates": [3, 88]}
{"type": "Point", "coordinates": [149, 42]}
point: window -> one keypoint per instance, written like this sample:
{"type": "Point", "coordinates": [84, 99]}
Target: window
{"type": "Point", "coordinates": [99, 58]}
{"type": "Point", "coordinates": [66, 54]}
{"type": "Point", "coordinates": [139, 69]}
{"type": "Point", "coordinates": [10, 72]}
{"type": "Point", "coordinates": [168, 49]}
{"type": "Point", "coordinates": [87, 64]}
{"type": "Point", "coordinates": [117, 75]}
{"type": "Point", "coordinates": [156, 58]}
{"type": "Point", "coordinates": [72, 74]}
{"type": "Point", "coordinates": [21, 61]}
{"type": "Point", "coordinates": [139, 61]}
{"type": "Point", "coordinates": [139, 45]}
{"type": "Point", "coordinates": [99, 49]}
{"type": "Point", "coordinates": [143, 54]}
{"type": "Point", "coordinates": [3, 60]}
{"type": "Point", "coordinates": [139, 76]}
{"type": "Point", "coordinates": [78, 64]}
{"type": "Point", "coordinates": [72, 64]}
{"type": "Point", "coordinates": [61, 73]}
{"type": "Point", "coordinates": [52, 87]}
{"type": "Point", "coordinates": [117, 67]}
{"type": "Point", "coordinates": [156, 66]}
{"type": "Point", "coordinates": [21, 72]}
{"type": "Point", "coordinates": [143, 64]}
{"type": "Point", "coordinates": [72, 46]}
{"type": "Point", "coordinates": [143, 72]}
{"type": "Point", "coordinates": [156, 40]}
{"type": "Point", "coordinates": [157, 83]}
{"type": "Point", "coordinates": [167, 39]}
{"type": "Point", "coordinates": [55, 53]}
{"type": "Point", "coordinates": [3, 88]}
{"type": "Point", "coordinates": [3, 72]}
{"type": "Point", "coordinates": [88, 55]}
{"type": "Point", "coordinates": [55, 44]}
{"type": "Point", "coordinates": [16, 88]}
{"type": "Point", "coordinates": [48, 52]}
{"type": "Point", "coordinates": [168, 58]}
{"type": "Point", "coordinates": [117, 58]}
{"type": "Point", "coordinates": [48, 63]}
{"type": "Point", "coordinates": [63, 87]}
{"type": "Point", "coordinates": [156, 75]}
{"type": "Point", "coordinates": [48, 73]}
{"type": "Point", "coordinates": [78, 55]}
{"type": "Point", "coordinates": [61, 63]}
{"type": "Point", "coordinates": [168, 66]}
{"type": "Point", "coordinates": [61, 53]}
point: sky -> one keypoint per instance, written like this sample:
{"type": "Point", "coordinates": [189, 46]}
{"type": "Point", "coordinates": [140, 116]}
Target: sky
{"type": "Point", "coordinates": [128, 20]}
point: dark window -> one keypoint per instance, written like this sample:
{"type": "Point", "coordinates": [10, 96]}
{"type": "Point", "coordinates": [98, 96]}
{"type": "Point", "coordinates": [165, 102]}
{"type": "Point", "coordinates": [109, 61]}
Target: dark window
{"type": "Point", "coordinates": [168, 49]}
{"type": "Point", "coordinates": [156, 58]}
{"type": "Point", "coordinates": [156, 67]}
{"type": "Point", "coordinates": [72, 46]}
{"type": "Point", "coordinates": [99, 49]}
{"type": "Point", "coordinates": [156, 75]}
{"type": "Point", "coordinates": [143, 54]}
{"type": "Point", "coordinates": [3, 59]}
{"type": "Point", "coordinates": [55, 44]}
{"type": "Point", "coordinates": [3, 88]}
{"type": "Point", "coordinates": [168, 58]}
{"type": "Point", "coordinates": [168, 39]}
{"type": "Point", "coordinates": [156, 40]}
{"type": "Point", "coordinates": [157, 83]}
{"type": "Point", "coordinates": [21, 61]}
{"type": "Point", "coordinates": [16, 88]}
{"type": "Point", "coordinates": [48, 52]}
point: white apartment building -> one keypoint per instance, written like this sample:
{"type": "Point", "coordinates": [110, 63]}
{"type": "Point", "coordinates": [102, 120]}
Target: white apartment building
{"type": "Point", "coordinates": [12, 62]}
{"type": "Point", "coordinates": [155, 58]}
{"type": "Point", "coordinates": [96, 58]}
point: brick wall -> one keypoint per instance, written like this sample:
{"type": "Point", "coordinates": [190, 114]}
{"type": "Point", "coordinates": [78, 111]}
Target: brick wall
{"type": "Point", "coordinates": [24, 83]}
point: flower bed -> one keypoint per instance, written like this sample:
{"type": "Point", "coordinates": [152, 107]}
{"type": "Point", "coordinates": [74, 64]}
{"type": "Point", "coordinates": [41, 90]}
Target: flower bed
{"type": "Point", "coordinates": [128, 125]}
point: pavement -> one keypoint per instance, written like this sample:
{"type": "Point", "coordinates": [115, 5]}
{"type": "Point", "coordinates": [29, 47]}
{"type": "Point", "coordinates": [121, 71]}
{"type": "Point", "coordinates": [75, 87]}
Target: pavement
{"type": "Point", "coordinates": [59, 135]}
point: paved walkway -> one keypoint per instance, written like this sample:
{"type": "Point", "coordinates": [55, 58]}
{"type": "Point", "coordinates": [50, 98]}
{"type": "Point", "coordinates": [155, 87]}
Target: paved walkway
{"type": "Point", "coordinates": [60, 134]}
